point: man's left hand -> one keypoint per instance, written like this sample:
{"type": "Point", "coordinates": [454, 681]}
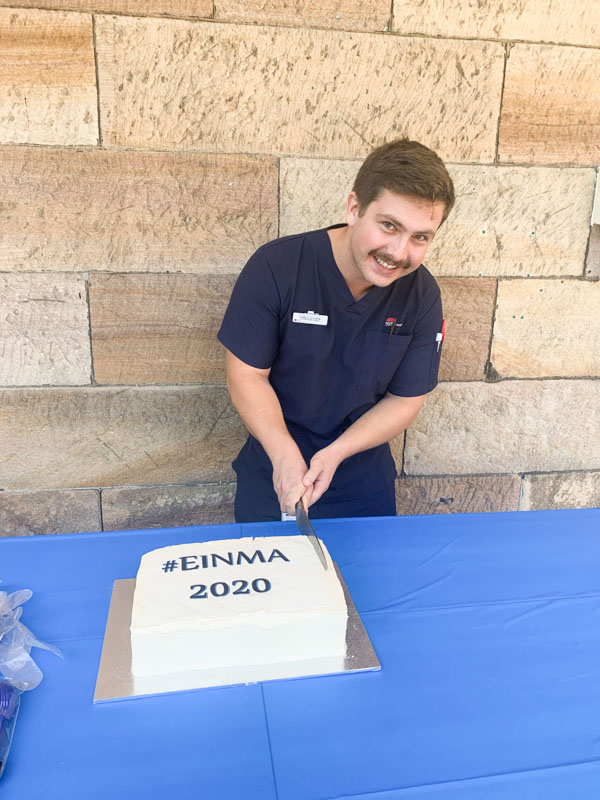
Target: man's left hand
{"type": "Point", "coordinates": [320, 472]}
{"type": "Point", "coordinates": [386, 419]}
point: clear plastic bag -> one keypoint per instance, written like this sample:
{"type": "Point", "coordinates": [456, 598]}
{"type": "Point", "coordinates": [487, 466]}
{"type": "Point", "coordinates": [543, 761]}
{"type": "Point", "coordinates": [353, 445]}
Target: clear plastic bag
{"type": "Point", "coordinates": [18, 671]}
{"type": "Point", "coordinates": [16, 642]}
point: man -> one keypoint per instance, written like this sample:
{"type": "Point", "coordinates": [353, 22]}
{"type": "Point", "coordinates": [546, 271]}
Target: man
{"type": "Point", "coordinates": [333, 340]}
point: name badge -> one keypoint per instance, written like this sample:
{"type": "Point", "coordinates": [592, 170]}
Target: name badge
{"type": "Point", "coordinates": [310, 318]}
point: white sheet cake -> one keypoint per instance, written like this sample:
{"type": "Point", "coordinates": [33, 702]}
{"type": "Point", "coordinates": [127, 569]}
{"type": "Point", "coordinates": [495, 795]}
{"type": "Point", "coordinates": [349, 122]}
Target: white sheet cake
{"type": "Point", "coordinates": [235, 602]}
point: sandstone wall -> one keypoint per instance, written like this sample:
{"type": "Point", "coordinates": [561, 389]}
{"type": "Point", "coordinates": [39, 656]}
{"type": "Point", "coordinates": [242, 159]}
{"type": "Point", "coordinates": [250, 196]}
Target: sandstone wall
{"type": "Point", "coordinates": [147, 148]}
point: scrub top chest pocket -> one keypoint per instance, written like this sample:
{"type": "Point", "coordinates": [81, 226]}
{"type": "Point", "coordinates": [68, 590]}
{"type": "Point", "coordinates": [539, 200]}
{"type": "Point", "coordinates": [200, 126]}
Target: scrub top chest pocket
{"type": "Point", "coordinates": [381, 357]}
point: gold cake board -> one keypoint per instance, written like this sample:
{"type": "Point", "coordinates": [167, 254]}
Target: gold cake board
{"type": "Point", "coordinates": [115, 681]}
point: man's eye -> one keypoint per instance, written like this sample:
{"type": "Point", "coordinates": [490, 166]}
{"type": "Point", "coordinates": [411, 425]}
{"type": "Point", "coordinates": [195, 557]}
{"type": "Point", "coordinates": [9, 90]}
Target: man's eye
{"type": "Point", "coordinates": [420, 237]}
{"type": "Point", "coordinates": [388, 226]}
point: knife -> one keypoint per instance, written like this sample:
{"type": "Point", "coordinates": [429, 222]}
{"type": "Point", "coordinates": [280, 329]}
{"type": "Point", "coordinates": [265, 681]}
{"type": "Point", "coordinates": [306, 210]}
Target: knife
{"type": "Point", "coordinates": [303, 522]}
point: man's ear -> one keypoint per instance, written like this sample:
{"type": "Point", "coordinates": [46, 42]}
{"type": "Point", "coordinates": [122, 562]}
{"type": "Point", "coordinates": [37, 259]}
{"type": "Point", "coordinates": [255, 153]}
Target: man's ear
{"type": "Point", "coordinates": [352, 208]}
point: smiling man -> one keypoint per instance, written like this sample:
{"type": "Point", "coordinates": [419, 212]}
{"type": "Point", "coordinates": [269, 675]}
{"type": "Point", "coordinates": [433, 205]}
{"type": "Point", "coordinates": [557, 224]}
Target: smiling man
{"type": "Point", "coordinates": [333, 341]}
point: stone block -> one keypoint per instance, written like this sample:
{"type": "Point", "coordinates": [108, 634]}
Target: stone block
{"type": "Point", "coordinates": [529, 20]}
{"type": "Point", "coordinates": [44, 330]}
{"type": "Point", "coordinates": [100, 437]}
{"type": "Point", "coordinates": [158, 328]}
{"type": "Point", "coordinates": [515, 221]}
{"type": "Point", "coordinates": [34, 513]}
{"type": "Point", "coordinates": [547, 328]}
{"type": "Point", "coordinates": [506, 427]}
{"type": "Point", "coordinates": [238, 88]}
{"type": "Point", "coordinates": [561, 490]}
{"type": "Point", "coordinates": [167, 506]}
{"type": "Point", "coordinates": [138, 8]}
{"type": "Point", "coordinates": [313, 192]}
{"type": "Point", "coordinates": [349, 15]}
{"type": "Point", "coordinates": [450, 495]}
{"type": "Point", "coordinates": [48, 84]}
{"type": "Point", "coordinates": [134, 212]}
{"type": "Point", "coordinates": [468, 308]}
{"type": "Point", "coordinates": [551, 106]}
{"type": "Point", "coordinates": [506, 221]}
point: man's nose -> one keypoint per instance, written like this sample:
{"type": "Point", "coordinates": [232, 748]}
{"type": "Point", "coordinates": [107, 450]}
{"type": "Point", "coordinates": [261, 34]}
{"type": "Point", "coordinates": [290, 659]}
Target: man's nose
{"type": "Point", "coordinates": [400, 248]}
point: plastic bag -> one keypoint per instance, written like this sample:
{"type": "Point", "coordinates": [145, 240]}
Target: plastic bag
{"type": "Point", "coordinates": [16, 641]}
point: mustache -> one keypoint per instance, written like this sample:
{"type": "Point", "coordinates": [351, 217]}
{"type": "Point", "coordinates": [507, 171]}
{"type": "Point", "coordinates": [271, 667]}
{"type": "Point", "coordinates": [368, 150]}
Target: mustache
{"type": "Point", "coordinates": [404, 264]}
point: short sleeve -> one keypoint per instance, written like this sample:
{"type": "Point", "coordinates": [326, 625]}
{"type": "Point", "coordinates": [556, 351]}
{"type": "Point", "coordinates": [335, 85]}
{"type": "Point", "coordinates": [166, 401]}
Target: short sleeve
{"type": "Point", "coordinates": [417, 373]}
{"type": "Point", "coordinates": [250, 327]}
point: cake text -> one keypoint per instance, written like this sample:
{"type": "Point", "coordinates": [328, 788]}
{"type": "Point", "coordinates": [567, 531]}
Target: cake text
{"type": "Point", "coordinates": [214, 560]}
{"type": "Point", "coordinates": [221, 589]}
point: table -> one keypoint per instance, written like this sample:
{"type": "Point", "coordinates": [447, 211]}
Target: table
{"type": "Point", "coordinates": [487, 627]}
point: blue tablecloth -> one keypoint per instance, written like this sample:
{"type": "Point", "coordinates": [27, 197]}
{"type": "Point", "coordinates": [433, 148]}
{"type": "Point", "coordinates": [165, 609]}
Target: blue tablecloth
{"type": "Point", "coordinates": [487, 627]}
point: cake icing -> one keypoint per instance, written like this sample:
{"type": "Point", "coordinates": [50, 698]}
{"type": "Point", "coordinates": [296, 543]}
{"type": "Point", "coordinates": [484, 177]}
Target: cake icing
{"type": "Point", "coordinates": [235, 602]}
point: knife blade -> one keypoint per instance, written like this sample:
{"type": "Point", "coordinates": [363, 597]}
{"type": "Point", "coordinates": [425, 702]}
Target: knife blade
{"type": "Point", "coordinates": [303, 522]}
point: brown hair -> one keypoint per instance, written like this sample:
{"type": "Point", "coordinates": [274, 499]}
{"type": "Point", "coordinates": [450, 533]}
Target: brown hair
{"type": "Point", "coordinates": [407, 168]}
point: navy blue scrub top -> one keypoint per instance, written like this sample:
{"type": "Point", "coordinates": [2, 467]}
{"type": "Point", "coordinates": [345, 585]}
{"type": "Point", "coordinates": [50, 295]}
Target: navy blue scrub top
{"type": "Point", "coordinates": [328, 375]}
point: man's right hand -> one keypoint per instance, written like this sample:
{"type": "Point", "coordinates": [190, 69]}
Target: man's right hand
{"type": "Point", "coordinates": [288, 473]}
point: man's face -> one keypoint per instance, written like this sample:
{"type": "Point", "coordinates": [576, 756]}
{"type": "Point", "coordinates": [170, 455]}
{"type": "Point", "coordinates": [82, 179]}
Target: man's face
{"type": "Point", "coordinates": [391, 237]}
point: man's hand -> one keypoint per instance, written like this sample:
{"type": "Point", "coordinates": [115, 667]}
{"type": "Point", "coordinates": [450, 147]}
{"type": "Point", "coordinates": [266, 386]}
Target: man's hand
{"type": "Point", "coordinates": [288, 474]}
{"type": "Point", "coordinates": [322, 469]}
{"type": "Point", "coordinates": [386, 419]}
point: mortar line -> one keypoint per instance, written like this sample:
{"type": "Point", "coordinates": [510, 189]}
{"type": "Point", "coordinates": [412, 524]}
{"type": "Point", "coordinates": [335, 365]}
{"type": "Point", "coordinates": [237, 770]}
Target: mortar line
{"type": "Point", "coordinates": [86, 279]}
{"type": "Point", "coordinates": [279, 196]}
{"type": "Point", "coordinates": [123, 387]}
{"type": "Point", "coordinates": [263, 155]}
{"type": "Point", "coordinates": [100, 490]}
{"type": "Point", "coordinates": [506, 57]}
{"type": "Point", "coordinates": [289, 26]}
{"type": "Point", "coordinates": [489, 365]}
{"type": "Point", "coordinates": [94, 45]}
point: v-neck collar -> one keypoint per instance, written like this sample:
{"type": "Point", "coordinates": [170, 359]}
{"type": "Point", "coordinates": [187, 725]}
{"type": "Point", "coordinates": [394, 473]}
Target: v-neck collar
{"type": "Point", "coordinates": [345, 298]}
